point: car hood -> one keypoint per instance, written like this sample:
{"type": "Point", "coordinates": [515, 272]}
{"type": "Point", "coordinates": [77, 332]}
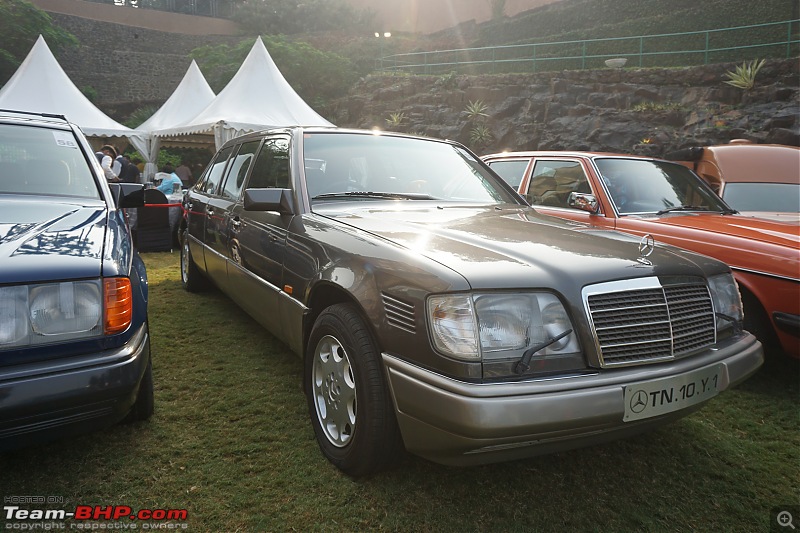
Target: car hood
{"type": "Point", "coordinates": [53, 239]}
{"type": "Point", "coordinates": [746, 227]}
{"type": "Point", "coordinates": [516, 247]}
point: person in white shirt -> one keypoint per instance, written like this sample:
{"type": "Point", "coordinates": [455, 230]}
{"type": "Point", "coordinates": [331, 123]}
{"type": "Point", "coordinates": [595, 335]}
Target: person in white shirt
{"type": "Point", "coordinates": [106, 155]}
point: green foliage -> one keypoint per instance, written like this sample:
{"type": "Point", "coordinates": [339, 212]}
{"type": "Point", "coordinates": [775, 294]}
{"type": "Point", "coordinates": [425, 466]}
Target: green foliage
{"type": "Point", "coordinates": [744, 77]}
{"type": "Point", "coordinates": [476, 109]}
{"type": "Point", "coordinates": [139, 116]}
{"type": "Point", "coordinates": [21, 23]}
{"type": "Point", "coordinates": [656, 106]}
{"type": "Point", "coordinates": [498, 8]}
{"type": "Point", "coordinates": [276, 17]}
{"type": "Point", "coordinates": [317, 76]}
{"type": "Point", "coordinates": [89, 92]}
{"type": "Point", "coordinates": [480, 135]}
{"type": "Point", "coordinates": [395, 120]}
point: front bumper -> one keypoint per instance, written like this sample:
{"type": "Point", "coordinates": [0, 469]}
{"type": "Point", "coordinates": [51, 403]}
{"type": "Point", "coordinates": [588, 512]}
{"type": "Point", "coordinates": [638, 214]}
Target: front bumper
{"type": "Point", "coordinates": [458, 423]}
{"type": "Point", "coordinates": [56, 398]}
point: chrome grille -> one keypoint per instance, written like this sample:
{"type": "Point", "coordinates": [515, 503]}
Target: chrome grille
{"type": "Point", "coordinates": [399, 314]}
{"type": "Point", "coordinates": [639, 321]}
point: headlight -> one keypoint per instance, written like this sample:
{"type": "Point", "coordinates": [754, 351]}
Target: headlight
{"type": "Point", "coordinates": [54, 312]}
{"type": "Point", "coordinates": [727, 301]}
{"type": "Point", "coordinates": [498, 328]}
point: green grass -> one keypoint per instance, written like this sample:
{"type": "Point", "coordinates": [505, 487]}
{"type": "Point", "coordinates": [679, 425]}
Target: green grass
{"type": "Point", "coordinates": [231, 442]}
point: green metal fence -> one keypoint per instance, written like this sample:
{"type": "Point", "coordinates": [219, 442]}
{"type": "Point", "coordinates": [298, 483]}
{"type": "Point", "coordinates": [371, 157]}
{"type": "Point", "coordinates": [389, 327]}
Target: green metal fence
{"type": "Point", "coordinates": [776, 39]}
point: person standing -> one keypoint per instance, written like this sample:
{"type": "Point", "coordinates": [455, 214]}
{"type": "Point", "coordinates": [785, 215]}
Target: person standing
{"type": "Point", "coordinates": [106, 156]}
{"type": "Point", "coordinates": [129, 172]}
{"type": "Point", "coordinates": [185, 174]}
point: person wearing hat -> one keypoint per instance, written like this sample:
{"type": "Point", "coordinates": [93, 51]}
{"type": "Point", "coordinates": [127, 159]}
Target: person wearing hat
{"type": "Point", "coordinates": [106, 156]}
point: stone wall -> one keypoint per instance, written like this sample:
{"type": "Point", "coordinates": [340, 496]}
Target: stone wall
{"type": "Point", "coordinates": [128, 67]}
{"type": "Point", "coordinates": [651, 111]}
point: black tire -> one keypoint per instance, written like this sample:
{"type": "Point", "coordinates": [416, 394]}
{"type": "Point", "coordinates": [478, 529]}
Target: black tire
{"type": "Point", "coordinates": [348, 398]}
{"type": "Point", "coordinates": [756, 321]}
{"type": "Point", "coordinates": [145, 398]}
{"type": "Point", "coordinates": [191, 277]}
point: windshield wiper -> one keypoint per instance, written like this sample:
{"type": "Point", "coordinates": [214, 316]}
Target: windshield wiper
{"type": "Point", "coordinates": [370, 194]}
{"type": "Point", "coordinates": [683, 208]}
{"type": "Point", "coordinates": [524, 363]}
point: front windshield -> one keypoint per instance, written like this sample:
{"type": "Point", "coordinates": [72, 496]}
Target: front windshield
{"type": "Point", "coordinates": [43, 161]}
{"type": "Point", "coordinates": [643, 186]}
{"type": "Point", "coordinates": [367, 166]}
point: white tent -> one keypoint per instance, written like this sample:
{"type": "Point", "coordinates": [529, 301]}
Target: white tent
{"type": "Point", "coordinates": [191, 96]}
{"type": "Point", "coordinates": [257, 97]}
{"type": "Point", "coordinates": [40, 85]}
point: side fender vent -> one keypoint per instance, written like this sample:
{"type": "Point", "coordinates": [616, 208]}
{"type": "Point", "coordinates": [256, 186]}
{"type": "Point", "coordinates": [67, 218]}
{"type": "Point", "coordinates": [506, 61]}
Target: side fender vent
{"type": "Point", "coordinates": [399, 314]}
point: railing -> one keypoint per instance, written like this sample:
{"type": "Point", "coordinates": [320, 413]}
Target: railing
{"type": "Point", "coordinates": [203, 8]}
{"type": "Point", "coordinates": [776, 39]}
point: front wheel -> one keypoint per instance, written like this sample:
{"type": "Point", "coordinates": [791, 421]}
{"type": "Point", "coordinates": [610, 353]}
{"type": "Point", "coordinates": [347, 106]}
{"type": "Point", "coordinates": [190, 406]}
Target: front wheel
{"type": "Point", "coordinates": [191, 277]}
{"type": "Point", "coordinates": [348, 399]}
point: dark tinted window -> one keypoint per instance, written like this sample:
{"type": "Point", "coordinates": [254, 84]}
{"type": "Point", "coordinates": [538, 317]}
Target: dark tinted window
{"type": "Point", "coordinates": [271, 169]}
{"type": "Point", "coordinates": [213, 174]}
{"type": "Point", "coordinates": [237, 169]}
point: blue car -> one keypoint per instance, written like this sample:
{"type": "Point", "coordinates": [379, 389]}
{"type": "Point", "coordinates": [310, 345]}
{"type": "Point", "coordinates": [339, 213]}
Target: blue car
{"type": "Point", "coordinates": [74, 340]}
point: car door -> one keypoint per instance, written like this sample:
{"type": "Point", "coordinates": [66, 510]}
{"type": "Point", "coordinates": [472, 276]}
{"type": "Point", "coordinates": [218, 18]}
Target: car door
{"type": "Point", "coordinates": [219, 208]}
{"type": "Point", "coordinates": [197, 207]}
{"type": "Point", "coordinates": [258, 240]}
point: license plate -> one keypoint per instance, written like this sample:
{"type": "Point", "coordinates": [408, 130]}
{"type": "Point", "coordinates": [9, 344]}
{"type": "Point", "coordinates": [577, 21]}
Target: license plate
{"type": "Point", "coordinates": [661, 396]}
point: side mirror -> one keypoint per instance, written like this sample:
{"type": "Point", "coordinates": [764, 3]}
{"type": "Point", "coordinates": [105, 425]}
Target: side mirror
{"type": "Point", "coordinates": [279, 200]}
{"type": "Point", "coordinates": [127, 194]}
{"type": "Point", "coordinates": [584, 202]}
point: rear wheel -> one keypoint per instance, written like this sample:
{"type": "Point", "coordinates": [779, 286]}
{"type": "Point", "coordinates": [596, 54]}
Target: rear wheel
{"type": "Point", "coordinates": [191, 277]}
{"type": "Point", "coordinates": [348, 399]}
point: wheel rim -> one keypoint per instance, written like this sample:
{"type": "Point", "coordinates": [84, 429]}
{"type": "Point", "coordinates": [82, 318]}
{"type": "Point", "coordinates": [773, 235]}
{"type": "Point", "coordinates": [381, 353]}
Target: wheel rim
{"type": "Point", "coordinates": [334, 390]}
{"type": "Point", "coordinates": [185, 258]}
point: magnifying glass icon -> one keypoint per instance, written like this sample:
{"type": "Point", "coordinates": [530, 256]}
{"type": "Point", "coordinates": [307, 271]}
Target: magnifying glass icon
{"type": "Point", "coordinates": [785, 519]}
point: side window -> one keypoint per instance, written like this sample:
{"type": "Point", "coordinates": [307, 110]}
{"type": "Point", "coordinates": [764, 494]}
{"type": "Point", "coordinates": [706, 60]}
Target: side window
{"type": "Point", "coordinates": [237, 169]}
{"type": "Point", "coordinates": [271, 169]}
{"type": "Point", "coordinates": [511, 171]}
{"type": "Point", "coordinates": [552, 182]}
{"type": "Point", "coordinates": [213, 174]}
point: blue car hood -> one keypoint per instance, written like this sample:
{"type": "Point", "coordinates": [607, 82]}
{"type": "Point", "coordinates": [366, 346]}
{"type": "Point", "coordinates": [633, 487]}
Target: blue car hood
{"type": "Point", "coordinates": [52, 239]}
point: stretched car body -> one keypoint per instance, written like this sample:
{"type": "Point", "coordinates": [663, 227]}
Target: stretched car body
{"type": "Point", "coordinates": [434, 310]}
{"type": "Point", "coordinates": [74, 341]}
{"type": "Point", "coordinates": [641, 196]}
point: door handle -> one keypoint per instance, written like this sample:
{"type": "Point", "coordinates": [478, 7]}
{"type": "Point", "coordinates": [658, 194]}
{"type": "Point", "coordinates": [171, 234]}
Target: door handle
{"type": "Point", "coordinates": [236, 224]}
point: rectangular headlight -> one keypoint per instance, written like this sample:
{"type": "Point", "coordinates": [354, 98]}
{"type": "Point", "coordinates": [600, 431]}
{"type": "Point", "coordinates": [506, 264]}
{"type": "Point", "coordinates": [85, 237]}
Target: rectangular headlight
{"type": "Point", "coordinates": [493, 327]}
{"type": "Point", "coordinates": [727, 301]}
{"type": "Point", "coordinates": [46, 313]}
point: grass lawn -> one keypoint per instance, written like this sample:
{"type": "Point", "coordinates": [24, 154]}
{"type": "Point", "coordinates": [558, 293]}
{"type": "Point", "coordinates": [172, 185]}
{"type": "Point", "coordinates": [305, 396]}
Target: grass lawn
{"type": "Point", "coordinates": [231, 443]}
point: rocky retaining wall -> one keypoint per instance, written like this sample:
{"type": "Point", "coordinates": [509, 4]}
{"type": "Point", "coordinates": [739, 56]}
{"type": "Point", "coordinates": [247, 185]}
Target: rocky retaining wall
{"type": "Point", "coordinates": [649, 111]}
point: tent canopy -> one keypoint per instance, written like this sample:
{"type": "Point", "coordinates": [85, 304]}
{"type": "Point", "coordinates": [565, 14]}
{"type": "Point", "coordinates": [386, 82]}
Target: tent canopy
{"type": "Point", "coordinates": [256, 98]}
{"type": "Point", "coordinates": [191, 96]}
{"type": "Point", "coordinates": [40, 85]}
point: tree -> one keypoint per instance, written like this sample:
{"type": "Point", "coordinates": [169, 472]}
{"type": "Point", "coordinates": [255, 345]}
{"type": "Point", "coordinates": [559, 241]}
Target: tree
{"type": "Point", "coordinates": [21, 23]}
{"type": "Point", "coordinates": [315, 75]}
{"type": "Point", "coordinates": [498, 8]}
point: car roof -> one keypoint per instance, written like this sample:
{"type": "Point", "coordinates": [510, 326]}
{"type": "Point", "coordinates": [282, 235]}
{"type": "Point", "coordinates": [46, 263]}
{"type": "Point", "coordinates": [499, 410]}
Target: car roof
{"type": "Point", "coordinates": [328, 129]}
{"type": "Point", "coordinates": [33, 118]}
{"type": "Point", "coordinates": [757, 163]}
{"type": "Point", "coordinates": [560, 153]}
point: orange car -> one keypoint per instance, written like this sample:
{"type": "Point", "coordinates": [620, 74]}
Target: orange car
{"type": "Point", "coordinates": [755, 179]}
{"type": "Point", "coordinates": [666, 200]}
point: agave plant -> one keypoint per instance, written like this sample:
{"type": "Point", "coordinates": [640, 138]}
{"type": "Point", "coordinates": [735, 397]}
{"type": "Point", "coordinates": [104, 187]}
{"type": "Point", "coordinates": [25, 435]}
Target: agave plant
{"type": "Point", "coordinates": [480, 135]}
{"type": "Point", "coordinates": [395, 119]}
{"type": "Point", "coordinates": [476, 109]}
{"type": "Point", "coordinates": [744, 77]}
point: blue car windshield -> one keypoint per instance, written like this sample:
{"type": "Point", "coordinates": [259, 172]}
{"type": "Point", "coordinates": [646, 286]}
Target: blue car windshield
{"type": "Point", "coordinates": [44, 161]}
{"type": "Point", "coordinates": [365, 166]}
